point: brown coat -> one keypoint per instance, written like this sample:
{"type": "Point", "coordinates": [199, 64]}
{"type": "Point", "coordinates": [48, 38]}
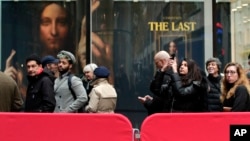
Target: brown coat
{"type": "Point", "coordinates": [10, 97]}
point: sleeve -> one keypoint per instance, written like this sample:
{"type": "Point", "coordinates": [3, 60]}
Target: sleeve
{"type": "Point", "coordinates": [17, 100]}
{"type": "Point", "coordinates": [154, 106]}
{"type": "Point", "coordinates": [93, 102]}
{"type": "Point", "coordinates": [180, 90]}
{"type": "Point", "coordinates": [241, 99]}
{"type": "Point", "coordinates": [156, 83]}
{"type": "Point", "coordinates": [81, 95]}
{"type": "Point", "coordinates": [48, 96]}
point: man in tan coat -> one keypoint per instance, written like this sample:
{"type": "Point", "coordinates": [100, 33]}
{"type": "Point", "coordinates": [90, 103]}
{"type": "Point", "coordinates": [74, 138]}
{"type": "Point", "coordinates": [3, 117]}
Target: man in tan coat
{"type": "Point", "coordinates": [103, 95]}
{"type": "Point", "coordinates": [10, 97]}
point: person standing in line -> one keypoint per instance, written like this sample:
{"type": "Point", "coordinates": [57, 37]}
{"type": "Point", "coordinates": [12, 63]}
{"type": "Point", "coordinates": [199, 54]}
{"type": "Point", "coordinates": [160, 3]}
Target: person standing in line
{"type": "Point", "coordinates": [213, 66]}
{"type": "Point", "coordinates": [88, 71]}
{"type": "Point", "coordinates": [49, 63]}
{"type": "Point", "coordinates": [68, 101]}
{"type": "Point", "coordinates": [10, 97]}
{"type": "Point", "coordinates": [189, 87]}
{"type": "Point", "coordinates": [160, 86]}
{"type": "Point", "coordinates": [40, 95]}
{"type": "Point", "coordinates": [103, 96]}
{"type": "Point", "coordinates": [235, 89]}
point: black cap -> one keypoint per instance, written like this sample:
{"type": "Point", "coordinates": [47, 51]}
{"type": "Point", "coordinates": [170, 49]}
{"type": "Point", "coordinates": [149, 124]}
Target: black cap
{"type": "Point", "coordinates": [49, 59]}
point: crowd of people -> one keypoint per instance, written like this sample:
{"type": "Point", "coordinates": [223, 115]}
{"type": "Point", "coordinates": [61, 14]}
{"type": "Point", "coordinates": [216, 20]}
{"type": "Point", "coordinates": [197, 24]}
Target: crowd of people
{"type": "Point", "coordinates": [52, 87]}
{"type": "Point", "coordinates": [179, 85]}
{"type": "Point", "coordinates": [182, 86]}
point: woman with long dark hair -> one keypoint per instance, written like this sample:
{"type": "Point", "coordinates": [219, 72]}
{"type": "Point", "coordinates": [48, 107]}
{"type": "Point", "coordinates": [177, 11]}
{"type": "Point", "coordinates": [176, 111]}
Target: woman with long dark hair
{"type": "Point", "coordinates": [189, 87]}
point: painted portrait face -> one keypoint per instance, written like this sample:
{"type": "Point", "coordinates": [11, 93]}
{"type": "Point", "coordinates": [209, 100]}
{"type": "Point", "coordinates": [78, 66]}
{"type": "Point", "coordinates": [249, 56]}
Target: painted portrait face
{"type": "Point", "coordinates": [172, 48]}
{"type": "Point", "coordinates": [183, 68]}
{"type": "Point", "coordinates": [231, 74]}
{"type": "Point", "coordinates": [54, 27]}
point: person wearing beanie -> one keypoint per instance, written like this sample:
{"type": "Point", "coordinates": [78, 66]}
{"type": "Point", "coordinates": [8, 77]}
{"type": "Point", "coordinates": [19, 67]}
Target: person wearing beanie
{"type": "Point", "coordinates": [40, 95]}
{"type": "Point", "coordinates": [213, 66]}
{"type": "Point", "coordinates": [103, 96]}
{"type": "Point", "coordinates": [69, 91]}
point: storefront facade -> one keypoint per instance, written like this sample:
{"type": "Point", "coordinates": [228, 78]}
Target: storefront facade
{"type": "Point", "coordinates": [124, 35]}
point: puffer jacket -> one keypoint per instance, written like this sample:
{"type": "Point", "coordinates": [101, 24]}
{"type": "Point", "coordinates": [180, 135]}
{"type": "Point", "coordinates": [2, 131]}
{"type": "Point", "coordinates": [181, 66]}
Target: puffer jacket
{"type": "Point", "coordinates": [213, 97]}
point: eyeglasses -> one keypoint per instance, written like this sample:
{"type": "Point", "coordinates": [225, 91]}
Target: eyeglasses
{"type": "Point", "coordinates": [230, 72]}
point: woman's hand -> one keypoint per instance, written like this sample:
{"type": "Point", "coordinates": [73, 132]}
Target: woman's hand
{"type": "Point", "coordinates": [174, 65]}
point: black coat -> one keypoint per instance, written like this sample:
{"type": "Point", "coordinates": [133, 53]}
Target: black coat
{"type": "Point", "coordinates": [240, 101]}
{"type": "Point", "coordinates": [213, 97]}
{"type": "Point", "coordinates": [161, 88]}
{"type": "Point", "coordinates": [40, 95]}
{"type": "Point", "coordinates": [190, 97]}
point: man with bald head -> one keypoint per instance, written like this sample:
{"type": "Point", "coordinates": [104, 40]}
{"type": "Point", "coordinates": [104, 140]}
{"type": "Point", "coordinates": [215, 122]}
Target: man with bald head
{"type": "Point", "coordinates": [160, 86]}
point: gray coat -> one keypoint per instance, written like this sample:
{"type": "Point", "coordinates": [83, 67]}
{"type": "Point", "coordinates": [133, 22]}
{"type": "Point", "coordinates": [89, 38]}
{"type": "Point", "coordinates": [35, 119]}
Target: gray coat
{"type": "Point", "coordinates": [65, 101]}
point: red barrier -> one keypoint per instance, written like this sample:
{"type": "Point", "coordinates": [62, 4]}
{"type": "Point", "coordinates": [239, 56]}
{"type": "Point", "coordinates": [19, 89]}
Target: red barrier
{"type": "Point", "coordinates": [64, 127]}
{"type": "Point", "coordinates": [191, 126]}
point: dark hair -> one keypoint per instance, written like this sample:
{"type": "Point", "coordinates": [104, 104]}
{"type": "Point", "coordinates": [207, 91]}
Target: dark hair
{"type": "Point", "coordinates": [34, 57]}
{"type": "Point", "coordinates": [194, 72]}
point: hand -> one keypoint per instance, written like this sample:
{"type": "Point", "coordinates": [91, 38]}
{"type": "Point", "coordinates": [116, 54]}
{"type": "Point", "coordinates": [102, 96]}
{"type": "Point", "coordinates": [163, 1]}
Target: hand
{"type": "Point", "coordinates": [227, 109]}
{"type": "Point", "coordinates": [174, 65]}
{"type": "Point", "coordinates": [15, 73]}
{"type": "Point", "coordinates": [9, 69]}
{"type": "Point", "coordinates": [81, 50]}
{"type": "Point", "coordinates": [101, 50]}
{"type": "Point", "coordinates": [145, 98]}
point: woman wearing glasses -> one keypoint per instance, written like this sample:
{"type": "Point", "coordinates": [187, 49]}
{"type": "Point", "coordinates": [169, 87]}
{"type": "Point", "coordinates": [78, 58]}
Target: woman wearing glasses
{"type": "Point", "coordinates": [235, 89]}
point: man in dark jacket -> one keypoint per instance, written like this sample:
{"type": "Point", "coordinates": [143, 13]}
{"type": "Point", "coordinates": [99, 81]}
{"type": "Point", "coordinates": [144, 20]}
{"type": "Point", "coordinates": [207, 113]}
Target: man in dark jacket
{"type": "Point", "coordinates": [160, 86]}
{"type": "Point", "coordinates": [40, 95]}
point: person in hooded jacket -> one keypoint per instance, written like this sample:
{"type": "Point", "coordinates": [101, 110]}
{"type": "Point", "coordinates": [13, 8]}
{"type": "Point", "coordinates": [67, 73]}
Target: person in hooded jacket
{"type": "Point", "coordinates": [40, 95]}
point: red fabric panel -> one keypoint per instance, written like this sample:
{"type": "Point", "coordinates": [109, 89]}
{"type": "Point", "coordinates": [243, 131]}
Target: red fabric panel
{"type": "Point", "coordinates": [64, 127]}
{"type": "Point", "coordinates": [191, 126]}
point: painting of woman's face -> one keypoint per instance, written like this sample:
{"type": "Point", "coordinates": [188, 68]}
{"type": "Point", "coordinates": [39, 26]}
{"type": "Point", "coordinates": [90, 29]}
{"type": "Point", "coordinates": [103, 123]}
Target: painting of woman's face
{"type": "Point", "coordinates": [54, 27]}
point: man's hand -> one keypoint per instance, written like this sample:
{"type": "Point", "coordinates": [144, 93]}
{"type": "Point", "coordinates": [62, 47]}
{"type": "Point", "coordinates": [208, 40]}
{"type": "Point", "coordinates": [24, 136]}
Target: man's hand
{"type": "Point", "coordinates": [145, 98]}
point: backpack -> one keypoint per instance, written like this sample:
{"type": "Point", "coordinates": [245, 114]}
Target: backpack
{"type": "Point", "coordinates": [82, 109]}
